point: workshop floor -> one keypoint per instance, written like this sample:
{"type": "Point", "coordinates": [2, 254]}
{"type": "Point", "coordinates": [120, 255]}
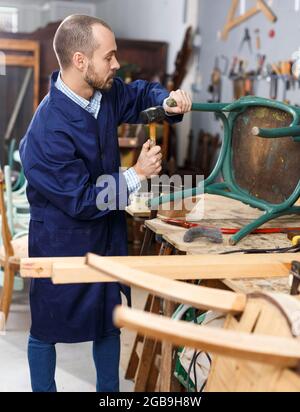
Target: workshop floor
{"type": "Point", "coordinates": [75, 369]}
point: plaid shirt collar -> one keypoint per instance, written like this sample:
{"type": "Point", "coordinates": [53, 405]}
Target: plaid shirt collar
{"type": "Point", "coordinates": [92, 106]}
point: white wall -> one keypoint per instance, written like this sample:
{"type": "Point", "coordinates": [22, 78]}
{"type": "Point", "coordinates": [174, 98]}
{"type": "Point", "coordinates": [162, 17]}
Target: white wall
{"type": "Point", "coordinates": [29, 13]}
{"type": "Point", "coordinates": [33, 14]}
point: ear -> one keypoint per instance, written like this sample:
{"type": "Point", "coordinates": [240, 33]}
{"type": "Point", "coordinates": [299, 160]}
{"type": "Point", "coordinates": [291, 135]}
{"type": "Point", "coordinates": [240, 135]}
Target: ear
{"type": "Point", "coordinates": [80, 61]}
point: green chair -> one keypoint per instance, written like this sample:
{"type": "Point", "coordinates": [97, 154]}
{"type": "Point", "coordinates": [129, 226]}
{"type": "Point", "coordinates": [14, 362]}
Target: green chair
{"type": "Point", "coordinates": [259, 161]}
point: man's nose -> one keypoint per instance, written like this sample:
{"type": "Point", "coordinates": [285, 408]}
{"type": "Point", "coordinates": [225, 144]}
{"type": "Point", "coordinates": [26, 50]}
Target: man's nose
{"type": "Point", "coordinates": [115, 64]}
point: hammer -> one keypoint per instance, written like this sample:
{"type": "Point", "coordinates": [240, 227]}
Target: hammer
{"type": "Point", "coordinates": [153, 115]}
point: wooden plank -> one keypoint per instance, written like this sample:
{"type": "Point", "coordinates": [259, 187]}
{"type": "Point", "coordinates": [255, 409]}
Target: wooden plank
{"type": "Point", "coordinates": [18, 45]}
{"type": "Point", "coordinates": [77, 274]}
{"type": "Point", "coordinates": [36, 77]}
{"type": "Point", "coordinates": [23, 61]}
{"type": "Point", "coordinates": [197, 296]}
{"type": "Point", "coordinates": [232, 10]}
{"type": "Point", "coordinates": [43, 267]}
{"type": "Point", "coordinates": [137, 213]}
{"type": "Point", "coordinates": [258, 348]}
{"type": "Point", "coordinates": [230, 16]}
{"type": "Point", "coordinates": [288, 382]}
{"type": "Point", "coordinates": [180, 267]}
{"type": "Point", "coordinates": [241, 19]}
{"type": "Point", "coordinates": [267, 11]}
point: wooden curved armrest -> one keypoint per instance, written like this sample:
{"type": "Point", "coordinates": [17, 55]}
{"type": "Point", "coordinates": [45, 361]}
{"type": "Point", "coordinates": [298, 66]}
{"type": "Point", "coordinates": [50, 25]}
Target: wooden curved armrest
{"type": "Point", "coordinates": [197, 296]}
{"type": "Point", "coordinates": [253, 347]}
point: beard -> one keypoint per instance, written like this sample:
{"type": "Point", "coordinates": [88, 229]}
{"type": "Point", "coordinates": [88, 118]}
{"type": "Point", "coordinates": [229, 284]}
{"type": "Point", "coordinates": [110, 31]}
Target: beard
{"type": "Point", "coordinates": [95, 82]}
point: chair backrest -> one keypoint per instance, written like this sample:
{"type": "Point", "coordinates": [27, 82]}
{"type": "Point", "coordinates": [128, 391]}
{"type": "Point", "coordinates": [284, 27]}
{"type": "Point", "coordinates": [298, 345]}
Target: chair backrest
{"type": "Point", "coordinates": [265, 316]}
{"type": "Point", "coordinates": [5, 232]}
{"type": "Point", "coordinates": [256, 351]}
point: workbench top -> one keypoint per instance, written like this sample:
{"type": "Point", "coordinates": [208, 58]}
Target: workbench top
{"type": "Point", "coordinates": [222, 212]}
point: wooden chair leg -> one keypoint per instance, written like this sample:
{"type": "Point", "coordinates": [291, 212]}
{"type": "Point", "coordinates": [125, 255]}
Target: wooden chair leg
{"type": "Point", "coordinates": [8, 284]}
{"type": "Point", "coordinates": [134, 358]}
{"type": "Point", "coordinates": [146, 242]}
{"type": "Point", "coordinates": [168, 383]}
{"type": "Point", "coordinates": [2, 322]}
{"type": "Point", "coordinates": [148, 237]}
{"type": "Point", "coordinates": [145, 360]}
{"type": "Point", "coordinates": [154, 369]}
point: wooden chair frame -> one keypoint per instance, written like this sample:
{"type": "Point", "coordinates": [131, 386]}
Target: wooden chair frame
{"type": "Point", "coordinates": [9, 270]}
{"type": "Point", "coordinates": [279, 352]}
{"type": "Point", "coordinates": [27, 55]}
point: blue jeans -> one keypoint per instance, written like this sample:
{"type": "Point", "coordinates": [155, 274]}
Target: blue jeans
{"type": "Point", "coordinates": [42, 363]}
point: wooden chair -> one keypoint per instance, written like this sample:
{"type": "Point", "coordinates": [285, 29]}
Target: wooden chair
{"type": "Point", "coordinates": [258, 349]}
{"type": "Point", "coordinates": [11, 253]}
{"type": "Point", "coordinates": [262, 360]}
{"type": "Point", "coordinates": [17, 206]}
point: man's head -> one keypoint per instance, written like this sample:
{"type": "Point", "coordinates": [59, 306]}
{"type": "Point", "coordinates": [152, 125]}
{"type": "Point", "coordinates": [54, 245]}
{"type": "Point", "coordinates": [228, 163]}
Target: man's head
{"type": "Point", "coordinates": [87, 46]}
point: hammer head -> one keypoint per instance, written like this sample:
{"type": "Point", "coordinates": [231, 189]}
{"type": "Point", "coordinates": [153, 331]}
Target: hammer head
{"type": "Point", "coordinates": [153, 114]}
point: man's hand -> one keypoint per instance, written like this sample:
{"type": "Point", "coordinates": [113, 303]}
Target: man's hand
{"type": "Point", "coordinates": [149, 161]}
{"type": "Point", "coordinates": [183, 100]}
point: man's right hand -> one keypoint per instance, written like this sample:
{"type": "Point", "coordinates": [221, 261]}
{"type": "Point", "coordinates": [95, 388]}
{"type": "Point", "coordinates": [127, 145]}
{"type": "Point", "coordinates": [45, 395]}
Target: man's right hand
{"type": "Point", "coordinates": [149, 161]}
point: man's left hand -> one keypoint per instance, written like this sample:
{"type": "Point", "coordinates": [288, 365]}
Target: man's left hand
{"type": "Point", "coordinates": [183, 100]}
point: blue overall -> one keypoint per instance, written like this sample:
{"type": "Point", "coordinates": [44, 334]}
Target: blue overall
{"type": "Point", "coordinates": [64, 152]}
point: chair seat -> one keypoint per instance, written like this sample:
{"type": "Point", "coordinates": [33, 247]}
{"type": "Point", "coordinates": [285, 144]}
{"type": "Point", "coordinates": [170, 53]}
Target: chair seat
{"type": "Point", "coordinates": [20, 247]}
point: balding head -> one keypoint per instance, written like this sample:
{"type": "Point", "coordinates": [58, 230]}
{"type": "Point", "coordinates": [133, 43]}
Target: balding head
{"type": "Point", "coordinates": [75, 34]}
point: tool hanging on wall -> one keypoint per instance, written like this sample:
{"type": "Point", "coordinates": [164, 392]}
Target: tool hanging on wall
{"type": "Point", "coordinates": [215, 87]}
{"type": "Point", "coordinates": [273, 82]}
{"type": "Point", "coordinates": [243, 83]}
{"type": "Point", "coordinates": [257, 40]}
{"type": "Point", "coordinates": [285, 67]}
{"type": "Point", "coordinates": [233, 21]}
{"type": "Point", "coordinates": [197, 43]}
{"type": "Point", "coordinates": [261, 58]}
{"type": "Point", "coordinates": [246, 39]}
{"type": "Point", "coordinates": [216, 83]}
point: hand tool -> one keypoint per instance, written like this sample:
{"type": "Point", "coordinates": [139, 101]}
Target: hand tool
{"type": "Point", "coordinates": [216, 83]}
{"type": "Point", "coordinates": [153, 115]}
{"type": "Point", "coordinates": [258, 45]}
{"type": "Point", "coordinates": [156, 113]}
{"type": "Point", "coordinates": [246, 39]}
{"type": "Point", "coordinates": [212, 234]}
{"type": "Point", "coordinates": [260, 63]}
{"type": "Point", "coordinates": [273, 81]}
{"type": "Point", "coordinates": [152, 134]}
{"type": "Point", "coordinates": [231, 231]}
{"type": "Point", "coordinates": [232, 72]}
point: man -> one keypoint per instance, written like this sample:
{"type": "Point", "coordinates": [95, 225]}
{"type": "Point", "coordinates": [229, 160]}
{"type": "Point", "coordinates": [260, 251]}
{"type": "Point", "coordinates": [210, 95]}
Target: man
{"type": "Point", "coordinates": [69, 148]}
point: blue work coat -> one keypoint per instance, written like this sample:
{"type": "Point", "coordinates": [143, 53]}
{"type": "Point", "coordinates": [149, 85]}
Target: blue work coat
{"type": "Point", "coordinates": [64, 152]}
